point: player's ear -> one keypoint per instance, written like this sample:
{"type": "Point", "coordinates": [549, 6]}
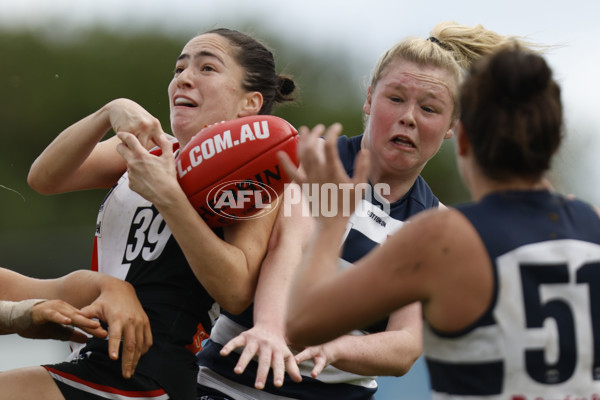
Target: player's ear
{"type": "Point", "coordinates": [367, 105]}
{"type": "Point", "coordinates": [252, 103]}
{"type": "Point", "coordinates": [451, 130]}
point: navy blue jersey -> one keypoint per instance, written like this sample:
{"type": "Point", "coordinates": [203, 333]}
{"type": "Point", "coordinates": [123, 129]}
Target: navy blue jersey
{"type": "Point", "coordinates": [364, 234]}
{"type": "Point", "coordinates": [540, 337]}
{"type": "Point", "coordinates": [376, 222]}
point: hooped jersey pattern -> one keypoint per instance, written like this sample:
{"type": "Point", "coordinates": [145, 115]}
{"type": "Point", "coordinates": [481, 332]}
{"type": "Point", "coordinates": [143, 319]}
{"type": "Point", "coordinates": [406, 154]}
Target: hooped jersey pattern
{"type": "Point", "coordinates": [365, 230]}
{"type": "Point", "coordinates": [540, 338]}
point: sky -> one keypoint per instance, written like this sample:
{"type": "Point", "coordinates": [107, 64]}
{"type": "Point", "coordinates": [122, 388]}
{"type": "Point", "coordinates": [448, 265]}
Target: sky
{"type": "Point", "coordinates": [365, 29]}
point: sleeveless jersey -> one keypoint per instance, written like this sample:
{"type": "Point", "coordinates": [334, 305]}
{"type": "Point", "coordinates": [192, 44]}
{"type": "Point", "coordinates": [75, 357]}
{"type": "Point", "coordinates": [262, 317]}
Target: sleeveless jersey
{"type": "Point", "coordinates": [134, 243]}
{"type": "Point", "coordinates": [366, 229]}
{"type": "Point", "coordinates": [540, 337]}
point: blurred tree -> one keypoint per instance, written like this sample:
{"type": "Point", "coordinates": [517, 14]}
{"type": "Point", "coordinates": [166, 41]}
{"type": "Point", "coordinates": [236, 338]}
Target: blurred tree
{"type": "Point", "coordinates": [48, 84]}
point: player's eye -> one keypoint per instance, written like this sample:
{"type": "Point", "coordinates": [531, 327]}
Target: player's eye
{"type": "Point", "coordinates": [207, 67]}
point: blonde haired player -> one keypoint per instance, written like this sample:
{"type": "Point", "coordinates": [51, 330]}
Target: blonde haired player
{"type": "Point", "coordinates": [507, 282]}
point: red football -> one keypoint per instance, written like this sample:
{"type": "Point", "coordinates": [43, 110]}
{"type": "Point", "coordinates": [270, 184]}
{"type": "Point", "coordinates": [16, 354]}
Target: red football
{"type": "Point", "coordinates": [230, 171]}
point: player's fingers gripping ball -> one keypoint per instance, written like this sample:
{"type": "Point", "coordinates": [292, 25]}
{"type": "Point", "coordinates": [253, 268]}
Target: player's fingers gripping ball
{"type": "Point", "coordinates": [230, 171]}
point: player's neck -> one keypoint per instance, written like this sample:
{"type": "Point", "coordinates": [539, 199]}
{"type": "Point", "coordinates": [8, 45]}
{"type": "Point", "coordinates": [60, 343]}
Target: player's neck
{"type": "Point", "coordinates": [488, 186]}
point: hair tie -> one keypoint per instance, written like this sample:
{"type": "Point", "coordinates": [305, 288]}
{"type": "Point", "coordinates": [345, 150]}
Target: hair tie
{"type": "Point", "coordinates": [437, 41]}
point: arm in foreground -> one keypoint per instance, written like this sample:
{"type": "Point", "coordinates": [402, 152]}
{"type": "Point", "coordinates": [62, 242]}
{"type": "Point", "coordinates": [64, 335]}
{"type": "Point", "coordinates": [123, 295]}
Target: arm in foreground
{"type": "Point", "coordinates": [79, 159]}
{"type": "Point", "coordinates": [389, 353]}
{"type": "Point", "coordinates": [104, 297]}
{"type": "Point", "coordinates": [267, 337]}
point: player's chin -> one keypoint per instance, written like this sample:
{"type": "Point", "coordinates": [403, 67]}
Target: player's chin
{"type": "Point", "coordinates": [184, 130]}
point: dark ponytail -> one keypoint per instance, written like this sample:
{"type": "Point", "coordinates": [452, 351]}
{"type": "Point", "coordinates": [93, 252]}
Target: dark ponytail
{"type": "Point", "coordinates": [259, 65]}
{"type": "Point", "coordinates": [512, 114]}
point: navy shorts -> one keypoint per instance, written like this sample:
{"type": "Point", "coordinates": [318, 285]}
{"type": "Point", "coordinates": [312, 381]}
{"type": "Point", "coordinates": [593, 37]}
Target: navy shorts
{"type": "Point", "coordinates": [97, 377]}
{"type": "Point", "coordinates": [206, 393]}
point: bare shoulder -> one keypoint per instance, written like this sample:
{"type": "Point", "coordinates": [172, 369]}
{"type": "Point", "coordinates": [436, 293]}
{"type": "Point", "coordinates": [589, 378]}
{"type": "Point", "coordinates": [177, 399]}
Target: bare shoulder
{"type": "Point", "coordinates": [431, 240]}
{"type": "Point", "coordinates": [460, 277]}
{"type": "Point", "coordinates": [449, 231]}
{"type": "Point", "coordinates": [439, 224]}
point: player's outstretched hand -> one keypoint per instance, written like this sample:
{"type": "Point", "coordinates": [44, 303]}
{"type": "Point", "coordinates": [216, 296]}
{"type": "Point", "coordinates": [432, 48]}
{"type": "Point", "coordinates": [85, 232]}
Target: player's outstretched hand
{"type": "Point", "coordinates": [55, 319]}
{"type": "Point", "coordinates": [319, 354]}
{"type": "Point", "coordinates": [127, 322]}
{"type": "Point", "coordinates": [320, 164]}
{"type": "Point", "coordinates": [272, 351]}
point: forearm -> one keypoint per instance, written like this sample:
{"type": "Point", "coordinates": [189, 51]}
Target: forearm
{"type": "Point", "coordinates": [389, 353]}
{"type": "Point", "coordinates": [18, 287]}
{"type": "Point", "coordinates": [392, 352]}
{"type": "Point", "coordinates": [65, 164]}
{"type": "Point", "coordinates": [81, 288]}
{"type": "Point", "coordinates": [228, 269]}
{"type": "Point", "coordinates": [307, 295]}
{"type": "Point", "coordinates": [292, 232]}
{"type": "Point", "coordinates": [272, 291]}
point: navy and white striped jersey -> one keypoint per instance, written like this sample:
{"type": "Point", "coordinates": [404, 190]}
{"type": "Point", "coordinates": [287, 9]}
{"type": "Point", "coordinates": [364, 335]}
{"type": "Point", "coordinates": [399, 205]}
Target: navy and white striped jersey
{"type": "Point", "coordinates": [540, 337]}
{"type": "Point", "coordinates": [366, 230]}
